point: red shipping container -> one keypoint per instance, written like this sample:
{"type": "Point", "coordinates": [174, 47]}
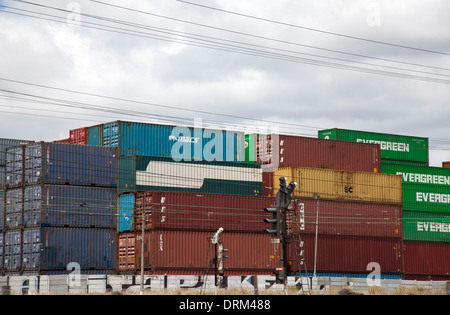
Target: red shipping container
{"type": "Point", "coordinates": [202, 212]}
{"type": "Point", "coordinates": [294, 151]}
{"type": "Point", "coordinates": [78, 136]}
{"type": "Point", "coordinates": [446, 164]}
{"type": "Point", "coordinates": [426, 260]}
{"type": "Point", "coordinates": [191, 252]}
{"type": "Point", "coordinates": [348, 218]}
{"type": "Point", "coordinates": [344, 254]}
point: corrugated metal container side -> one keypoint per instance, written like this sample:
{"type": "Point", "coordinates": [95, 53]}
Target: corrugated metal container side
{"type": "Point", "coordinates": [9, 143]}
{"type": "Point", "coordinates": [70, 206]}
{"type": "Point", "coordinates": [426, 259]}
{"type": "Point", "coordinates": [187, 143]}
{"type": "Point", "coordinates": [67, 140]}
{"type": "Point", "coordinates": [343, 254]}
{"type": "Point", "coordinates": [446, 164]}
{"type": "Point", "coordinates": [348, 218]}
{"type": "Point", "coordinates": [426, 226]}
{"type": "Point", "coordinates": [294, 151]}
{"type": "Point", "coordinates": [78, 136]}
{"type": "Point", "coordinates": [2, 177]}
{"type": "Point", "coordinates": [250, 146]}
{"type": "Point", "coordinates": [393, 147]}
{"type": "Point", "coordinates": [14, 165]}
{"type": "Point", "coordinates": [53, 248]}
{"type": "Point", "coordinates": [94, 135]}
{"type": "Point", "coordinates": [12, 249]}
{"type": "Point", "coordinates": [202, 212]}
{"type": "Point", "coordinates": [342, 185]}
{"type": "Point", "coordinates": [1, 250]}
{"type": "Point", "coordinates": [126, 204]}
{"type": "Point", "coordinates": [14, 208]}
{"type": "Point", "coordinates": [425, 188]}
{"type": "Point", "coordinates": [2, 208]}
{"type": "Point", "coordinates": [66, 164]}
{"type": "Point", "coordinates": [143, 173]}
{"type": "Point", "coordinates": [127, 251]}
{"type": "Point", "coordinates": [61, 205]}
{"type": "Point", "coordinates": [183, 251]}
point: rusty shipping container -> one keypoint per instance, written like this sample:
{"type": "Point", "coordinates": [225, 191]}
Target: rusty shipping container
{"type": "Point", "coordinates": [181, 252]}
{"type": "Point", "coordinates": [446, 164]}
{"type": "Point", "coordinates": [342, 185]}
{"type": "Point", "coordinates": [426, 260]}
{"type": "Point", "coordinates": [200, 212]}
{"type": "Point", "coordinates": [294, 151]}
{"type": "Point", "coordinates": [345, 254]}
{"type": "Point", "coordinates": [342, 218]}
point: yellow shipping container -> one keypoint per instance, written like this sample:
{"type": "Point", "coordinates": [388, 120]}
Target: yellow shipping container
{"type": "Point", "coordinates": [341, 185]}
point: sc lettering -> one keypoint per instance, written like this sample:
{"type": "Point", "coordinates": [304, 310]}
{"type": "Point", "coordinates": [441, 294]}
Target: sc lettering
{"type": "Point", "coordinates": [348, 189]}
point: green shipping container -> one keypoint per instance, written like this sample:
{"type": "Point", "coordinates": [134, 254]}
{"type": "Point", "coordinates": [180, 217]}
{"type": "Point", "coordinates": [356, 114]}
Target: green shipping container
{"type": "Point", "coordinates": [393, 147]}
{"type": "Point", "coordinates": [426, 227]}
{"type": "Point", "coordinates": [250, 148]}
{"type": "Point", "coordinates": [143, 173]}
{"type": "Point", "coordinates": [424, 188]}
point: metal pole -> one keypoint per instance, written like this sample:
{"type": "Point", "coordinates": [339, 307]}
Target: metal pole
{"type": "Point", "coordinates": [142, 253]}
{"type": "Point", "coordinates": [316, 197]}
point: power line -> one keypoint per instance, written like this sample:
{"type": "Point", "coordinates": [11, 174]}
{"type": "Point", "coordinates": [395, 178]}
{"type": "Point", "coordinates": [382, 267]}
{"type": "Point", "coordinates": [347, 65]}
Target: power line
{"type": "Point", "coordinates": [289, 58]}
{"type": "Point", "coordinates": [317, 30]}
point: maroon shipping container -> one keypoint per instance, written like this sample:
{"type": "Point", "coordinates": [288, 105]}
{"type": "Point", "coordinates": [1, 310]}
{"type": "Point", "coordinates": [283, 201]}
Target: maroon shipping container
{"type": "Point", "coordinates": [126, 251]}
{"type": "Point", "coordinates": [202, 212]}
{"type": "Point", "coordinates": [446, 164]}
{"type": "Point", "coordinates": [344, 254]}
{"type": "Point", "coordinates": [294, 151]}
{"type": "Point", "coordinates": [63, 141]}
{"type": "Point", "coordinates": [349, 218]}
{"type": "Point", "coordinates": [183, 252]}
{"type": "Point", "coordinates": [78, 136]}
{"type": "Point", "coordinates": [426, 261]}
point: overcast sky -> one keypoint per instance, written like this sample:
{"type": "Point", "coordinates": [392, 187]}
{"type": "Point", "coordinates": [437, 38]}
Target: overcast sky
{"type": "Point", "coordinates": [301, 66]}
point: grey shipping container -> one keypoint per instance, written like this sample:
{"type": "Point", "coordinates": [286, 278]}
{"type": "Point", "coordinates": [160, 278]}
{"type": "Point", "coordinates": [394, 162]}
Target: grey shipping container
{"type": "Point", "coordinates": [1, 250]}
{"type": "Point", "coordinates": [2, 209]}
{"type": "Point", "coordinates": [8, 143]}
{"type": "Point", "coordinates": [12, 248]}
{"type": "Point", "coordinates": [60, 163]}
{"type": "Point", "coordinates": [59, 248]}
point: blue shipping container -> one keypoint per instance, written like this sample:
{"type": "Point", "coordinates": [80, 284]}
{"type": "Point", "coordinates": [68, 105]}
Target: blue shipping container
{"type": "Point", "coordinates": [177, 142]}
{"type": "Point", "coordinates": [54, 248]}
{"type": "Point", "coordinates": [66, 164]}
{"type": "Point", "coordinates": [61, 205]}
{"type": "Point", "coordinates": [74, 206]}
{"type": "Point", "coordinates": [142, 173]}
{"type": "Point", "coordinates": [125, 210]}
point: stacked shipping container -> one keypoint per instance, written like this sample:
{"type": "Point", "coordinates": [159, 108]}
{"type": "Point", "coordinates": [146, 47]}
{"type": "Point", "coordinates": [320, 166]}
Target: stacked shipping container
{"type": "Point", "coordinates": [60, 209]}
{"type": "Point", "coordinates": [425, 194]}
{"type": "Point", "coordinates": [426, 219]}
{"type": "Point", "coordinates": [188, 182]}
{"type": "Point", "coordinates": [359, 210]}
